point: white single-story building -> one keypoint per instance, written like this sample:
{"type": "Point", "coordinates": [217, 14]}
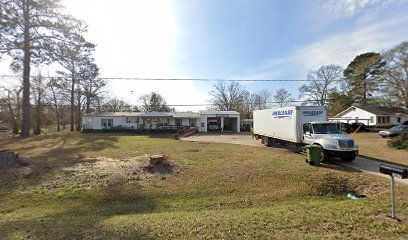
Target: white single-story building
{"type": "Point", "coordinates": [372, 115]}
{"type": "Point", "coordinates": [226, 120]}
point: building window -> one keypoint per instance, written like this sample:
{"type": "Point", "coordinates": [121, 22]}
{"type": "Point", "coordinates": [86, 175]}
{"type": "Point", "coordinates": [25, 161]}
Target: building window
{"type": "Point", "coordinates": [131, 119]}
{"type": "Point", "coordinates": [178, 121]}
{"type": "Point", "coordinates": [106, 122]}
{"type": "Point", "coordinates": [163, 122]}
{"type": "Point", "coordinates": [202, 124]}
{"type": "Point", "coordinates": [398, 119]}
{"type": "Point", "coordinates": [383, 119]}
{"type": "Point", "coordinates": [372, 119]}
{"type": "Point", "coordinates": [192, 122]}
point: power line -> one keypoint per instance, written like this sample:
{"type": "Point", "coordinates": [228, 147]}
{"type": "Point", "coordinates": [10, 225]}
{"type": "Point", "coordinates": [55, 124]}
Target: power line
{"type": "Point", "coordinates": [181, 105]}
{"type": "Point", "coordinates": [185, 79]}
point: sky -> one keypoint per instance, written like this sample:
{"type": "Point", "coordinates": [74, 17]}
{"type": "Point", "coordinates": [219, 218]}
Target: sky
{"type": "Point", "coordinates": [230, 39]}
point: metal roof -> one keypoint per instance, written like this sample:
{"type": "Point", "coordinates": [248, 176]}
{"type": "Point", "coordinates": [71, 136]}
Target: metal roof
{"type": "Point", "coordinates": [145, 114]}
{"type": "Point", "coordinates": [204, 112]}
{"type": "Point", "coordinates": [113, 114]}
{"type": "Point", "coordinates": [156, 114]}
{"type": "Point", "coordinates": [186, 115]}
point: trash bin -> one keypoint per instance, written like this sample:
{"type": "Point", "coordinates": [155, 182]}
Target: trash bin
{"type": "Point", "coordinates": [314, 154]}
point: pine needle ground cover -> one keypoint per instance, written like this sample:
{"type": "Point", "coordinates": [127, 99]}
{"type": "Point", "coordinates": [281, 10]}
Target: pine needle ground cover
{"type": "Point", "coordinates": [93, 186]}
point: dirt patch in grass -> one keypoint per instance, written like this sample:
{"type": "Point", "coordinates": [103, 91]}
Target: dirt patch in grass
{"type": "Point", "coordinates": [94, 173]}
{"type": "Point", "coordinates": [102, 169]}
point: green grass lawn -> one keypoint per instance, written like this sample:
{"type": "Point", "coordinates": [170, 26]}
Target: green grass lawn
{"type": "Point", "coordinates": [373, 146]}
{"type": "Point", "coordinates": [93, 186]}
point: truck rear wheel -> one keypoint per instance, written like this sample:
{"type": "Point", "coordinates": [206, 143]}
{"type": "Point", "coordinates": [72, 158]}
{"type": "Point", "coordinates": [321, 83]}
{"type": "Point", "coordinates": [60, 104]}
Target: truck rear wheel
{"type": "Point", "coordinates": [267, 141]}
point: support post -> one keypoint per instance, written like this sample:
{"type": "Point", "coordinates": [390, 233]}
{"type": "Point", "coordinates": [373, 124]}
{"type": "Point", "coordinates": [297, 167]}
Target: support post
{"type": "Point", "coordinates": [393, 196]}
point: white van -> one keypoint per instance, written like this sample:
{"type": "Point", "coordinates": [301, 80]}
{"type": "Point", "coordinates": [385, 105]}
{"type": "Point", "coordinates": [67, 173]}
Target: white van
{"type": "Point", "coordinates": [212, 125]}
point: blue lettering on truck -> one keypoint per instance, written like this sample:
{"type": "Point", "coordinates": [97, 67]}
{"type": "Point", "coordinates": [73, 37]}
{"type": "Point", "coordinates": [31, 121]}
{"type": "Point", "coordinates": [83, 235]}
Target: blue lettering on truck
{"type": "Point", "coordinates": [282, 113]}
{"type": "Point", "coordinates": [312, 113]}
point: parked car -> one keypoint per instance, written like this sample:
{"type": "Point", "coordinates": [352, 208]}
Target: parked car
{"type": "Point", "coordinates": [394, 131]}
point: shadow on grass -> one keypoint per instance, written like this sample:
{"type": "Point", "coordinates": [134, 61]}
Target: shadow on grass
{"type": "Point", "coordinates": [334, 164]}
{"type": "Point", "coordinates": [82, 215]}
{"type": "Point", "coordinates": [61, 151]}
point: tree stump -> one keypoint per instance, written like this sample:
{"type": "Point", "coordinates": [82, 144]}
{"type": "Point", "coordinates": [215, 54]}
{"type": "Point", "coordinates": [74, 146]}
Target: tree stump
{"type": "Point", "coordinates": [156, 160]}
{"type": "Point", "coordinates": [8, 158]}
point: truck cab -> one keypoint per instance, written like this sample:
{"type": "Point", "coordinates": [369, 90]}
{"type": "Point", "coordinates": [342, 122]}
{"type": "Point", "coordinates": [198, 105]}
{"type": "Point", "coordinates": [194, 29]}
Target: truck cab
{"type": "Point", "coordinates": [331, 139]}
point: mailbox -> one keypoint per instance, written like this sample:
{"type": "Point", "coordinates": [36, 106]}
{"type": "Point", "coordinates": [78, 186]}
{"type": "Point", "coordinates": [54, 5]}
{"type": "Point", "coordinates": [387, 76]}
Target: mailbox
{"type": "Point", "coordinates": [392, 170]}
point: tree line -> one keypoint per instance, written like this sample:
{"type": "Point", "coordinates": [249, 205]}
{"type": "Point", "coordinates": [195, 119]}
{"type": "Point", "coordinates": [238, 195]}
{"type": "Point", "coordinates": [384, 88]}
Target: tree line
{"type": "Point", "coordinates": [35, 34]}
{"type": "Point", "coordinates": [40, 33]}
{"type": "Point", "coordinates": [369, 79]}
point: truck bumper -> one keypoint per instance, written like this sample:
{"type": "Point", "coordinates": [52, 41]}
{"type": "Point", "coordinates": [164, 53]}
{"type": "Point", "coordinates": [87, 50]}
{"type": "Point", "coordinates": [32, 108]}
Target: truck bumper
{"type": "Point", "coordinates": [352, 153]}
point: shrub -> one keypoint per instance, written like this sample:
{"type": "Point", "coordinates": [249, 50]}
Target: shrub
{"type": "Point", "coordinates": [400, 142]}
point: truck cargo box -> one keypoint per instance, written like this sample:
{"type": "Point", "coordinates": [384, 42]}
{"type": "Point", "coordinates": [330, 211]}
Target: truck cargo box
{"type": "Point", "coordinates": [286, 123]}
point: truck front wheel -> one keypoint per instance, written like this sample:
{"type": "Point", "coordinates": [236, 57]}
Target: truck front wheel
{"type": "Point", "coordinates": [323, 156]}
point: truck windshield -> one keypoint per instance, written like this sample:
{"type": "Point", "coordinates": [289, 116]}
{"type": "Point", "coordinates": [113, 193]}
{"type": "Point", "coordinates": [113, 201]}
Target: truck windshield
{"type": "Point", "coordinates": [326, 128]}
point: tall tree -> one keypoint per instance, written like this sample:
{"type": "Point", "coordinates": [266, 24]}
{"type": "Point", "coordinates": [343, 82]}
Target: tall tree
{"type": "Point", "coordinates": [338, 101]}
{"type": "Point", "coordinates": [12, 101]}
{"type": "Point", "coordinates": [87, 76]}
{"type": "Point", "coordinates": [154, 102]}
{"type": "Point", "coordinates": [363, 75]}
{"type": "Point", "coordinates": [282, 97]}
{"type": "Point", "coordinates": [248, 105]}
{"type": "Point", "coordinates": [227, 96]}
{"type": "Point", "coordinates": [31, 32]}
{"type": "Point", "coordinates": [93, 88]}
{"type": "Point", "coordinates": [262, 99]}
{"type": "Point", "coordinates": [76, 59]}
{"type": "Point", "coordinates": [117, 105]}
{"type": "Point", "coordinates": [395, 75]}
{"type": "Point", "coordinates": [321, 83]}
{"type": "Point", "coordinates": [39, 90]}
{"type": "Point", "coordinates": [56, 96]}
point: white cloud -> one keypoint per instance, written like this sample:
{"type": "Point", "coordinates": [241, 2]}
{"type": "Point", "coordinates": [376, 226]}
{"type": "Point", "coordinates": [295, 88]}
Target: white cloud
{"type": "Point", "coordinates": [346, 8]}
{"type": "Point", "coordinates": [338, 49]}
{"type": "Point", "coordinates": [137, 39]}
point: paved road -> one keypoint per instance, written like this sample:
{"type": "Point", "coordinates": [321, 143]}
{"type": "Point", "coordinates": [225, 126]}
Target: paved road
{"type": "Point", "coordinates": [362, 164]}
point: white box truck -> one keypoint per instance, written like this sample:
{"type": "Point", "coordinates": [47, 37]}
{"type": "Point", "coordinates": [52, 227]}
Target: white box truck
{"type": "Point", "coordinates": [303, 125]}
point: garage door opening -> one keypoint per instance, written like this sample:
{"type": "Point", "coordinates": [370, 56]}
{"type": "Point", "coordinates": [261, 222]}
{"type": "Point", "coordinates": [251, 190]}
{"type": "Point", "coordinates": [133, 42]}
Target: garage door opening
{"type": "Point", "coordinates": [230, 124]}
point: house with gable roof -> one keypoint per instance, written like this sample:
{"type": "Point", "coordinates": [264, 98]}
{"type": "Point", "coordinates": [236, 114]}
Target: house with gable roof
{"type": "Point", "coordinates": [373, 115]}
